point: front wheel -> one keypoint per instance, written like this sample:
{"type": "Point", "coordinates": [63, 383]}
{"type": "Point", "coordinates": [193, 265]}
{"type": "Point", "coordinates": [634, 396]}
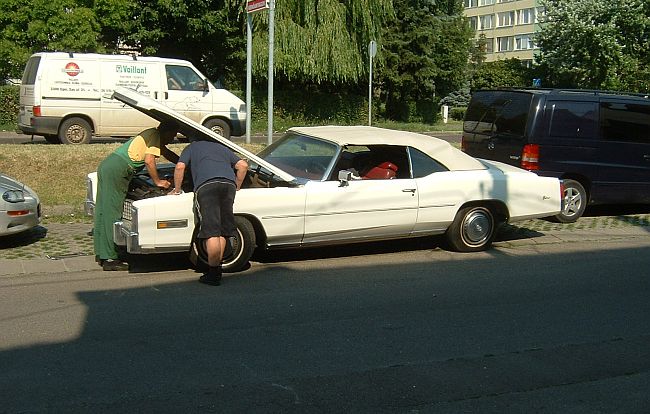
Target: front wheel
{"type": "Point", "coordinates": [75, 131]}
{"type": "Point", "coordinates": [238, 252]}
{"type": "Point", "coordinates": [574, 202]}
{"type": "Point", "coordinates": [472, 230]}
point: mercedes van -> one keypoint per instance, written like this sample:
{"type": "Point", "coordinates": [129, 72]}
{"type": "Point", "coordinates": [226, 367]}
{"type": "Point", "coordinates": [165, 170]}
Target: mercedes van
{"type": "Point", "coordinates": [66, 97]}
{"type": "Point", "coordinates": [597, 142]}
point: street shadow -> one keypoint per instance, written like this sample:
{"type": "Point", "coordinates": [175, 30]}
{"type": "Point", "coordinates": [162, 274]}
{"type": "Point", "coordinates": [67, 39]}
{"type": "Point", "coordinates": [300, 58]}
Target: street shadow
{"type": "Point", "coordinates": [305, 339]}
{"type": "Point", "coordinates": [22, 239]}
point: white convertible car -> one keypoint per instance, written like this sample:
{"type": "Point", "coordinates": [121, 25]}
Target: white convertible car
{"type": "Point", "coordinates": [334, 185]}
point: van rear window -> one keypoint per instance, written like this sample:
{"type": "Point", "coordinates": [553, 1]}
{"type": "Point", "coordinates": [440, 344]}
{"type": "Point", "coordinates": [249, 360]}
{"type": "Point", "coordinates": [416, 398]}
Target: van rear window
{"type": "Point", "coordinates": [29, 76]}
{"type": "Point", "coordinates": [497, 112]}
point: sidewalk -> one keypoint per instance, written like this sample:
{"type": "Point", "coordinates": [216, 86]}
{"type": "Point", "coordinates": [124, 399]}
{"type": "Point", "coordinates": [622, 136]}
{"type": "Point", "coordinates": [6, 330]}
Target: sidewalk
{"type": "Point", "coordinates": [56, 247]}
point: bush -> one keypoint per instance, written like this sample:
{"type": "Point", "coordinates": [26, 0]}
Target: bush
{"type": "Point", "coordinates": [9, 104]}
{"type": "Point", "coordinates": [457, 113]}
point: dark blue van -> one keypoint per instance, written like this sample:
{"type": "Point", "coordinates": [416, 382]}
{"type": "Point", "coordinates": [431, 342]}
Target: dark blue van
{"type": "Point", "coordinates": [597, 142]}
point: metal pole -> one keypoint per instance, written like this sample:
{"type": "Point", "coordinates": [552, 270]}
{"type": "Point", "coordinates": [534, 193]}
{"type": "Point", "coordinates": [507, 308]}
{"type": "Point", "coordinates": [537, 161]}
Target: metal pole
{"type": "Point", "coordinates": [370, 94]}
{"type": "Point", "coordinates": [270, 92]}
{"type": "Point", "coordinates": [249, 75]}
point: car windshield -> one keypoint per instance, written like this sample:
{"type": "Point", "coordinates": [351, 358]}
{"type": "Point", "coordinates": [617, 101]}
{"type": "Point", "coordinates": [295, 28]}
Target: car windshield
{"type": "Point", "coordinates": [300, 155]}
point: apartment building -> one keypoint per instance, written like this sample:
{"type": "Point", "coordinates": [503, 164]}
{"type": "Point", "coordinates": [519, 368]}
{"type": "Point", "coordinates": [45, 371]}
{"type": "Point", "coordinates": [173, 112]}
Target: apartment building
{"type": "Point", "coordinates": [508, 26]}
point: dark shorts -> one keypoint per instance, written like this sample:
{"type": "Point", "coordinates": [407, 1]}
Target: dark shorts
{"type": "Point", "coordinates": [213, 202]}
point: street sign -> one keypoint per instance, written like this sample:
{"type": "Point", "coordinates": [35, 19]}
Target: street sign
{"type": "Point", "coordinates": [256, 5]}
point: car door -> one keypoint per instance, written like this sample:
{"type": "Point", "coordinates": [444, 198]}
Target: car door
{"type": "Point", "coordinates": [624, 152]}
{"type": "Point", "coordinates": [185, 93]}
{"type": "Point", "coordinates": [360, 209]}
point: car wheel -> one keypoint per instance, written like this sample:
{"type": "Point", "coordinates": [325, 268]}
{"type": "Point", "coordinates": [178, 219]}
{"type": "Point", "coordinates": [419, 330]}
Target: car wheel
{"type": "Point", "coordinates": [574, 202]}
{"type": "Point", "coordinates": [219, 126]}
{"type": "Point", "coordinates": [75, 131]}
{"type": "Point", "coordinates": [52, 139]}
{"type": "Point", "coordinates": [238, 252]}
{"type": "Point", "coordinates": [472, 230]}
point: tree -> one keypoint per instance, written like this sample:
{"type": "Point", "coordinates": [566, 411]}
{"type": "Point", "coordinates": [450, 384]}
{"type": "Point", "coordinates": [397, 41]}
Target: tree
{"type": "Point", "coordinates": [426, 50]}
{"type": "Point", "coordinates": [320, 41]}
{"type": "Point", "coordinates": [44, 25]}
{"type": "Point", "coordinates": [599, 44]}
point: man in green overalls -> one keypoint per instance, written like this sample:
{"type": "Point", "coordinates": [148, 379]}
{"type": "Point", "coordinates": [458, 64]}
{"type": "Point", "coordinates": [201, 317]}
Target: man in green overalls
{"type": "Point", "coordinates": [113, 177]}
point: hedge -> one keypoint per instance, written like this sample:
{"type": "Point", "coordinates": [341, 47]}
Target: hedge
{"type": "Point", "coordinates": [9, 104]}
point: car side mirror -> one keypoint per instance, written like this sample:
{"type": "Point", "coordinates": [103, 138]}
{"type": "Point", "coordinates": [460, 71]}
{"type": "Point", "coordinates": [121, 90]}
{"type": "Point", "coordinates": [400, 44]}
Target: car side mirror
{"type": "Point", "coordinates": [206, 88]}
{"type": "Point", "coordinates": [344, 177]}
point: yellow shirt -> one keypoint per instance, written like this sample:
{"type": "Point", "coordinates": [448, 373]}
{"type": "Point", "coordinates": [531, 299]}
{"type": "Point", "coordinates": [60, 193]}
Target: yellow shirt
{"type": "Point", "coordinates": [147, 142]}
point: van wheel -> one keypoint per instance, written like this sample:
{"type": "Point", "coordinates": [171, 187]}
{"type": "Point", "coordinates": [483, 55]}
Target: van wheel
{"type": "Point", "coordinates": [574, 202]}
{"type": "Point", "coordinates": [219, 126]}
{"type": "Point", "coordinates": [52, 139]}
{"type": "Point", "coordinates": [472, 230]}
{"type": "Point", "coordinates": [75, 131]}
{"type": "Point", "coordinates": [238, 252]}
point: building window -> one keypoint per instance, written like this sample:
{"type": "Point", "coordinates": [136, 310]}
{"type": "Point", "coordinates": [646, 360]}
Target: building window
{"type": "Point", "coordinates": [486, 21]}
{"type": "Point", "coordinates": [506, 18]}
{"type": "Point", "coordinates": [470, 3]}
{"type": "Point", "coordinates": [523, 42]}
{"type": "Point", "coordinates": [525, 16]}
{"type": "Point", "coordinates": [473, 22]}
{"type": "Point", "coordinates": [489, 45]}
{"type": "Point", "coordinates": [485, 2]}
{"type": "Point", "coordinates": [504, 44]}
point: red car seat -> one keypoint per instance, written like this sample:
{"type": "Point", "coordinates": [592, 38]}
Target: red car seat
{"type": "Point", "coordinates": [384, 171]}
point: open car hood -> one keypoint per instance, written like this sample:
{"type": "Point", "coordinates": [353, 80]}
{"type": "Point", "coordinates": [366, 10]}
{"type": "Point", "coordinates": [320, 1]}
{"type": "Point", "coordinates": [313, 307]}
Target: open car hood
{"type": "Point", "coordinates": [188, 127]}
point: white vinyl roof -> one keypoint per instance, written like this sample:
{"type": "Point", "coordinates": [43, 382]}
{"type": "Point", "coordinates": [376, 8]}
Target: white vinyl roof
{"type": "Point", "coordinates": [436, 148]}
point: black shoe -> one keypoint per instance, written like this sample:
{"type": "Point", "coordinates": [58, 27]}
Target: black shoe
{"type": "Point", "coordinates": [114, 264]}
{"type": "Point", "coordinates": [212, 277]}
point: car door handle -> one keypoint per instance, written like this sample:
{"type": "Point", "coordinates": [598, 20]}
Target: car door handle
{"type": "Point", "coordinates": [408, 190]}
{"type": "Point", "coordinates": [646, 157]}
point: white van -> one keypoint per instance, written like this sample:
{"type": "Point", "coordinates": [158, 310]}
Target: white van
{"type": "Point", "coordinates": [66, 97]}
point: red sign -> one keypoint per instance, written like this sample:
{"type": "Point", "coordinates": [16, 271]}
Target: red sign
{"type": "Point", "coordinates": [72, 69]}
{"type": "Point", "coordinates": [256, 5]}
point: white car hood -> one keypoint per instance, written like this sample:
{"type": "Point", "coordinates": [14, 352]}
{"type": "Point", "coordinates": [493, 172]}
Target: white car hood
{"type": "Point", "coordinates": [161, 112]}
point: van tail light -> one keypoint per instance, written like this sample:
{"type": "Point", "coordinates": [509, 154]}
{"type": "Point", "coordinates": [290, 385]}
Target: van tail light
{"type": "Point", "coordinates": [530, 157]}
{"type": "Point", "coordinates": [463, 144]}
{"type": "Point", "coordinates": [37, 110]}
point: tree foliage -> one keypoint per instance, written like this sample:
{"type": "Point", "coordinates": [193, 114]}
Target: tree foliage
{"type": "Point", "coordinates": [600, 44]}
{"type": "Point", "coordinates": [426, 50]}
{"type": "Point", "coordinates": [320, 40]}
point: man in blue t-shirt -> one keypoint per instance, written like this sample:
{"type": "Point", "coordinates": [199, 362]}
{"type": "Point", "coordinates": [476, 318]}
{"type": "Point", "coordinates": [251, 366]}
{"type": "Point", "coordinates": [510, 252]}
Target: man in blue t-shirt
{"type": "Point", "coordinates": [217, 174]}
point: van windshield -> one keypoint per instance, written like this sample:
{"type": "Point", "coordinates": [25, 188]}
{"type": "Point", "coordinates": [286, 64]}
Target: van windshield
{"type": "Point", "coordinates": [497, 112]}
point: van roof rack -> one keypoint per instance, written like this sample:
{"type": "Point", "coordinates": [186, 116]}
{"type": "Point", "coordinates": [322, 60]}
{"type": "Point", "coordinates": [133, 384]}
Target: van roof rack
{"type": "Point", "coordinates": [558, 91]}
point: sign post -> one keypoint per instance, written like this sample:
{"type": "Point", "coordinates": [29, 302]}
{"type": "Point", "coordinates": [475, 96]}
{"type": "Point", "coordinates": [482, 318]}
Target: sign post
{"type": "Point", "coordinates": [372, 51]}
{"type": "Point", "coordinates": [252, 6]}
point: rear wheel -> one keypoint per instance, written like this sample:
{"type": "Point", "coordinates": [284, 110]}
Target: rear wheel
{"type": "Point", "coordinates": [75, 131]}
{"type": "Point", "coordinates": [219, 126]}
{"type": "Point", "coordinates": [238, 252]}
{"type": "Point", "coordinates": [574, 202]}
{"type": "Point", "coordinates": [472, 230]}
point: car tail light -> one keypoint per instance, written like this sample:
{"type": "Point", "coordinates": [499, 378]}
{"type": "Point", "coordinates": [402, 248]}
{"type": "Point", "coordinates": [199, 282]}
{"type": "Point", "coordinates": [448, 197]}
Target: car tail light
{"type": "Point", "coordinates": [18, 213]}
{"type": "Point", "coordinates": [530, 157]}
{"type": "Point", "coordinates": [37, 110]}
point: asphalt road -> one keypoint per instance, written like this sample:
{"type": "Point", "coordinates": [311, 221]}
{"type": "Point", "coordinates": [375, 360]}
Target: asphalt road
{"type": "Point", "coordinates": [535, 328]}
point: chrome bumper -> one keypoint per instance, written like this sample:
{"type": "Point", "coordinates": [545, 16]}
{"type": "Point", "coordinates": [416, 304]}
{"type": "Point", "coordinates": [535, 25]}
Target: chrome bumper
{"type": "Point", "coordinates": [122, 236]}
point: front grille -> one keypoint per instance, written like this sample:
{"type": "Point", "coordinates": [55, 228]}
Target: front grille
{"type": "Point", "coordinates": [127, 211]}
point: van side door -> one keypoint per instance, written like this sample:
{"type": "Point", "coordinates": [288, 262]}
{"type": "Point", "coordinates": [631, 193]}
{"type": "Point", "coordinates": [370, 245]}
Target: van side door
{"type": "Point", "coordinates": [568, 146]}
{"type": "Point", "coordinates": [625, 151]}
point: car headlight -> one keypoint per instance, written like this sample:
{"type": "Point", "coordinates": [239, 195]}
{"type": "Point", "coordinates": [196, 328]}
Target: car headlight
{"type": "Point", "coordinates": [13, 196]}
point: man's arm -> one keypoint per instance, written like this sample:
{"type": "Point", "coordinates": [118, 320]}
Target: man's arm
{"type": "Point", "coordinates": [179, 173]}
{"type": "Point", "coordinates": [150, 163]}
{"type": "Point", "coordinates": [241, 167]}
